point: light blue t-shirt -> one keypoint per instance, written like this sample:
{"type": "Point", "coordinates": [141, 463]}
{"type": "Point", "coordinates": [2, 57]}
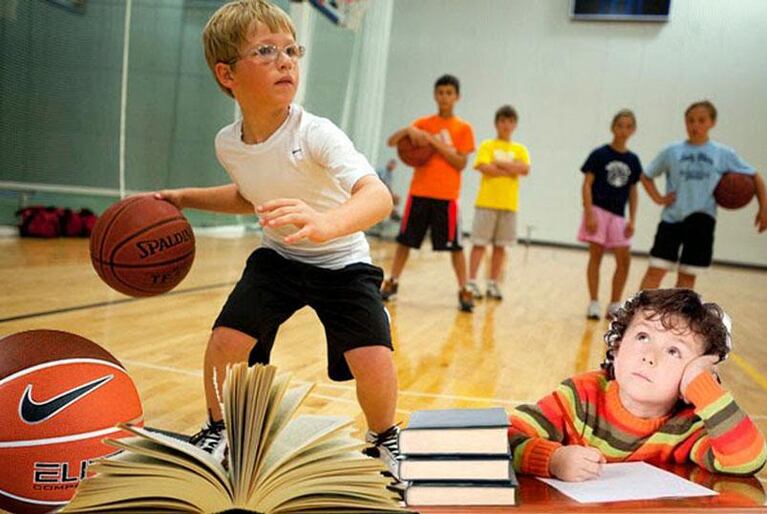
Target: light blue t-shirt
{"type": "Point", "coordinates": [692, 172]}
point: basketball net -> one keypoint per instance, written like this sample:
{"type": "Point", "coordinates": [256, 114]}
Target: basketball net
{"type": "Point", "coordinates": [344, 13]}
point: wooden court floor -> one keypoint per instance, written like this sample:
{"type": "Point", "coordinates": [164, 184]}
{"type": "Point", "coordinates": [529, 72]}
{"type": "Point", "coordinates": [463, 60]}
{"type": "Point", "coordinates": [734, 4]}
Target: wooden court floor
{"type": "Point", "coordinates": [502, 354]}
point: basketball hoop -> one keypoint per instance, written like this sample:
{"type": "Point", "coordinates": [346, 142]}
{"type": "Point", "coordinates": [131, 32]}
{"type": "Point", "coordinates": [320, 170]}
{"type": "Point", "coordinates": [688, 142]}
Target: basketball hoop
{"type": "Point", "coordinates": [344, 13]}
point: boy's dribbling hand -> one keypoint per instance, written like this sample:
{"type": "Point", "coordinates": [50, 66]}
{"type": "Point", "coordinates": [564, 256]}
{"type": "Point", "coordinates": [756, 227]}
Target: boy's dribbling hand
{"type": "Point", "coordinates": [701, 364]}
{"type": "Point", "coordinates": [173, 196]}
{"type": "Point", "coordinates": [576, 463]}
{"type": "Point", "coordinates": [312, 225]}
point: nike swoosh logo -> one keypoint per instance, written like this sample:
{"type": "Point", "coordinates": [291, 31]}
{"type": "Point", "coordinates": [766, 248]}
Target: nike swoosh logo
{"type": "Point", "coordinates": [32, 412]}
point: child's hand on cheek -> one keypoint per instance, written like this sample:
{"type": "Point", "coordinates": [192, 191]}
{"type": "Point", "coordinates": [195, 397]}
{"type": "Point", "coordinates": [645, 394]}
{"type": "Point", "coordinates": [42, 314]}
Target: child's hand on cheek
{"type": "Point", "coordinates": [576, 463]}
{"type": "Point", "coordinates": [702, 364]}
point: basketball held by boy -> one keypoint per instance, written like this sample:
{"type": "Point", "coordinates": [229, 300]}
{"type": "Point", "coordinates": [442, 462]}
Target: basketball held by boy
{"type": "Point", "coordinates": [501, 162]}
{"type": "Point", "coordinates": [432, 202]}
{"type": "Point", "coordinates": [656, 399]}
{"type": "Point", "coordinates": [314, 193]}
{"type": "Point", "coordinates": [684, 239]}
{"type": "Point", "coordinates": [610, 175]}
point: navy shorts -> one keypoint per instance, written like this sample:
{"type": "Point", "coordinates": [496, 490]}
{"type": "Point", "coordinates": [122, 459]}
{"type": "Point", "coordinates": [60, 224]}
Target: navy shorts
{"type": "Point", "coordinates": [695, 237]}
{"type": "Point", "coordinates": [347, 301]}
{"type": "Point", "coordinates": [440, 217]}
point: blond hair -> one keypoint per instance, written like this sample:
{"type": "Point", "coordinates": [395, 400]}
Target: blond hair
{"type": "Point", "coordinates": [229, 28]}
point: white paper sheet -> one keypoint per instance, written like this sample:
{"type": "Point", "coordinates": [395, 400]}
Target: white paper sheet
{"type": "Point", "coordinates": [629, 481]}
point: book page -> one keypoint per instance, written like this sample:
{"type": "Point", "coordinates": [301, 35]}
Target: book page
{"type": "Point", "coordinates": [144, 493]}
{"type": "Point", "coordinates": [279, 416]}
{"type": "Point", "coordinates": [625, 481]}
{"type": "Point", "coordinates": [287, 407]}
{"type": "Point", "coordinates": [246, 397]}
{"type": "Point", "coordinates": [196, 459]}
{"type": "Point", "coordinates": [302, 432]}
{"type": "Point", "coordinates": [352, 476]}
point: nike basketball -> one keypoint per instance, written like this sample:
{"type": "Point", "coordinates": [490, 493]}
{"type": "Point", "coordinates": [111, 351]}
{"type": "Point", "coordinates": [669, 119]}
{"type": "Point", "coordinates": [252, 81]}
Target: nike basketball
{"type": "Point", "coordinates": [60, 395]}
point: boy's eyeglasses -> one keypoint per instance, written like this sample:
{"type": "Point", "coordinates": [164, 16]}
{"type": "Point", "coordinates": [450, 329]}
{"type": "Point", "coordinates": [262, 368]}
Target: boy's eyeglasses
{"type": "Point", "coordinates": [270, 53]}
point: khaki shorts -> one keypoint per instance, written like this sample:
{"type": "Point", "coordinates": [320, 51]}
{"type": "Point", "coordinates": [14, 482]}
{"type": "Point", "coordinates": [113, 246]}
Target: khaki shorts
{"type": "Point", "coordinates": [494, 226]}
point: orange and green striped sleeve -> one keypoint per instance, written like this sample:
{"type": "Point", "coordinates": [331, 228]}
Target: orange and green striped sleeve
{"type": "Point", "coordinates": [730, 442]}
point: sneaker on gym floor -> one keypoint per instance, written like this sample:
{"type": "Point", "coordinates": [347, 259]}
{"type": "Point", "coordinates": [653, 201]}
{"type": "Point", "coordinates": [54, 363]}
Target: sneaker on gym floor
{"type": "Point", "coordinates": [465, 300]}
{"type": "Point", "coordinates": [493, 291]}
{"type": "Point", "coordinates": [593, 311]}
{"type": "Point", "coordinates": [612, 310]}
{"type": "Point", "coordinates": [389, 289]}
{"type": "Point", "coordinates": [385, 446]}
{"type": "Point", "coordinates": [476, 293]}
{"type": "Point", "coordinates": [212, 439]}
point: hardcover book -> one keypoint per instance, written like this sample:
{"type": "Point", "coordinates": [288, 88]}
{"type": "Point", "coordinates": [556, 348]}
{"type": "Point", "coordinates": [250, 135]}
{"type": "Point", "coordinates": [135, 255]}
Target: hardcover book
{"type": "Point", "coordinates": [464, 468]}
{"type": "Point", "coordinates": [460, 493]}
{"type": "Point", "coordinates": [456, 432]}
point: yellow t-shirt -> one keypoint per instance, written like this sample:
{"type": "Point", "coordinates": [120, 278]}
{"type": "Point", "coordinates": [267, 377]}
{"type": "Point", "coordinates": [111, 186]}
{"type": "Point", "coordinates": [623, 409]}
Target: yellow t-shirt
{"type": "Point", "coordinates": [499, 192]}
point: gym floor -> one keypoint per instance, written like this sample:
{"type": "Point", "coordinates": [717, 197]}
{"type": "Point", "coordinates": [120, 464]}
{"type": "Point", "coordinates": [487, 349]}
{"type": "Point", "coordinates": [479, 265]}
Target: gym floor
{"type": "Point", "coordinates": [504, 353]}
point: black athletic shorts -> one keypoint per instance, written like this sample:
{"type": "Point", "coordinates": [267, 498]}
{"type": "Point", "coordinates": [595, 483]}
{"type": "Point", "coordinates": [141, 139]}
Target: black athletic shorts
{"type": "Point", "coordinates": [440, 217]}
{"type": "Point", "coordinates": [695, 235]}
{"type": "Point", "coordinates": [347, 301]}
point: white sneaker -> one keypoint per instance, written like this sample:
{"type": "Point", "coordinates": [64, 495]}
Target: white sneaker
{"type": "Point", "coordinates": [385, 446]}
{"type": "Point", "coordinates": [474, 290]}
{"type": "Point", "coordinates": [212, 439]}
{"type": "Point", "coordinates": [493, 291]}
{"type": "Point", "coordinates": [593, 311]}
{"type": "Point", "coordinates": [612, 310]}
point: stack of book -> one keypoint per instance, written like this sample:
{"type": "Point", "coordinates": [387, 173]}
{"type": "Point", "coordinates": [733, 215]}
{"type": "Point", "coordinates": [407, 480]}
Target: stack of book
{"type": "Point", "coordinates": [457, 457]}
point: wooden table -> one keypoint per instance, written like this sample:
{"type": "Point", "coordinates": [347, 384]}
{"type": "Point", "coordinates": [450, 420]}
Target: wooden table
{"type": "Point", "coordinates": [736, 494]}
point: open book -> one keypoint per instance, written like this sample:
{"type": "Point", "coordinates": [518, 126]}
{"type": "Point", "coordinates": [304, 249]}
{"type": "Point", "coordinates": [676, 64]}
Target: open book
{"type": "Point", "coordinates": [275, 463]}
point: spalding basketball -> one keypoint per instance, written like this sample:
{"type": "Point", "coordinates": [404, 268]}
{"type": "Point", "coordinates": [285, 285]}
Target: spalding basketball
{"type": "Point", "coordinates": [734, 190]}
{"type": "Point", "coordinates": [142, 246]}
{"type": "Point", "coordinates": [60, 395]}
{"type": "Point", "coordinates": [413, 155]}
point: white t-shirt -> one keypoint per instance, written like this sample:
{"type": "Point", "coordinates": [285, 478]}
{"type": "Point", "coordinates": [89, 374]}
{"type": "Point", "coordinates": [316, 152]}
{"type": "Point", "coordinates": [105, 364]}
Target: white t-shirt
{"type": "Point", "coordinates": [308, 158]}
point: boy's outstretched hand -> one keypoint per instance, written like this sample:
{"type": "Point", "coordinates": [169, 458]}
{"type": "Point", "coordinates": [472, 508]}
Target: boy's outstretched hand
{"type": "Point", "coordinates": [576, 463]}
{"type": "Point", "coordinates": [701, 364]}
{"type": "Point", "coordinates": [312, 225]}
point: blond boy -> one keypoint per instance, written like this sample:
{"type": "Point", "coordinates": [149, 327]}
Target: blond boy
{"type": "Point", "coordinates": [314, 194]}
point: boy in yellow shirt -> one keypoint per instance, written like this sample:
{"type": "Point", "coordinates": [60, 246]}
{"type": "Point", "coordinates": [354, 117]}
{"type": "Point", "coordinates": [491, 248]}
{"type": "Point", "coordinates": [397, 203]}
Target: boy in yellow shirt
{"type": "Point", "coordinates": [501, 162]}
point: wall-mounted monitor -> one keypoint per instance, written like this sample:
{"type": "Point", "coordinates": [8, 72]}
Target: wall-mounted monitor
{"type": "Point", "coordinates": [620, 10]}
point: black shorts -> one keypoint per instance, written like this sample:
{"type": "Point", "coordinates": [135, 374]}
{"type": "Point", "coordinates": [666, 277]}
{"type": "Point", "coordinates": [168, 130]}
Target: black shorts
{"type": "Point", "coordinates": [695, 235]}
{"type": "Point", "coordinates": [440, 217]}
{"type": "Point", "coordinates": [347, 301]}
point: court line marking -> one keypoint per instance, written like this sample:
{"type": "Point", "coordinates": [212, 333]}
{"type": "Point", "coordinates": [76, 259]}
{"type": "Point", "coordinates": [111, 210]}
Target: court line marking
{"type": "Point", "coordinates": [348, 388]}
{"type": "Point", "coordinates": [110, 302]}
{"type": "Point", "coordinates": [346, 400]}
{"type": "Point", "coordinates": [749, 370]}
{"type": "Point", "coordinates": [198, 374]}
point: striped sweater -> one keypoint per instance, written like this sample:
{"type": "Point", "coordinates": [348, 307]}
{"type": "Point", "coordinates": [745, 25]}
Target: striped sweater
{"type": "Point", "coordinates": [713, 432]}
